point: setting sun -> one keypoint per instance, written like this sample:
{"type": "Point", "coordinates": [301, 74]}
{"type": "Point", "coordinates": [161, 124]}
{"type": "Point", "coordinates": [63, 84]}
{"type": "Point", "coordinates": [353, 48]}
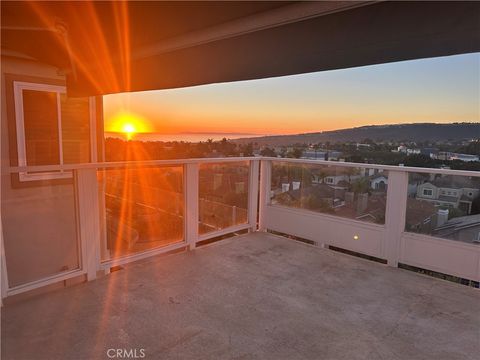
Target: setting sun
{"type": "Point", "coordinates": [129, 129]}
{"type": "Point", "coordinates": [129, 124]}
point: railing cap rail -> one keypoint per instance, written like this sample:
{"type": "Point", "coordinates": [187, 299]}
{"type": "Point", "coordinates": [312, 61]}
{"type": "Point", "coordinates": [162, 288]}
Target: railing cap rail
{"type": "Point", "coordinates": [173, 162]}
{"type": "Point", "coordinates": [377, 166]}
{"type": "Point", "coordinates": [128, 164]}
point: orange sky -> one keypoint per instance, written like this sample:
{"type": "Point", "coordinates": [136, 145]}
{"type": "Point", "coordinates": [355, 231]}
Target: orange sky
{"type": "Point", "coordinates": [443, 89]}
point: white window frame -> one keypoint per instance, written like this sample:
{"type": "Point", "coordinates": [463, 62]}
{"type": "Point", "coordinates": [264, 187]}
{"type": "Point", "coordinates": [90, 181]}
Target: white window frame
{"type": "Point", "coordinates": [18, 87]}
{"type": "Point", "coordinates": [427, 189]}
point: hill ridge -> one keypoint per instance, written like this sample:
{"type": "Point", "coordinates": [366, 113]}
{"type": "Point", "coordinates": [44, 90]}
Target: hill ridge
{"type": "Point", "coordinates": [391, 132]}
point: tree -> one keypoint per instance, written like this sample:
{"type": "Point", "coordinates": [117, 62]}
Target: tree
{"type": "Point", "coordinates": [355, 159]}
{"type": "Point", "coordinates": [247, 150]}
{"type": "Point", "coordinates": [351, 171]}
{"type": "Point", "coordinates": [295, 153]}
{"type": "Point", "coordinates": [420, 160]}
{"type": "Point", "coordinates": [472, 148]}
{"type": "Point", "coordinates": [268, 152]}
{"type": "Point", "coordinates": [360, 186]}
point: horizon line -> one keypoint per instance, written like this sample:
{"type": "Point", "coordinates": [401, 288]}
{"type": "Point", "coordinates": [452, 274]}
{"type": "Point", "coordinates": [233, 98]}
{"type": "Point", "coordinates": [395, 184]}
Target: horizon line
{"type": "Point", "coordinates": [286, 134]}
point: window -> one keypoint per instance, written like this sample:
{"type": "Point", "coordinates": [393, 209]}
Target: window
{"type": "Point", "coordinates": [329, 180]}
{"type": "Point", "coordinates": [51, 128]}
{"type": "Point", "coordinates": [427, 192]}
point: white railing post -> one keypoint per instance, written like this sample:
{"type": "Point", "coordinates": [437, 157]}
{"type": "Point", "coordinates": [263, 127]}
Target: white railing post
{"type": "Point", "coordinates": [191, 183]}
{"type": "Point", "coordinates": [89, 220]}
{"type": "Point", "coordinates": [102, 208]}
{"type": "Point", "coordinates": [395, 213]}
{"type": "Point", "coordinates": [265, 185]}
{"type": "Point", "coordinates": [253, 194]}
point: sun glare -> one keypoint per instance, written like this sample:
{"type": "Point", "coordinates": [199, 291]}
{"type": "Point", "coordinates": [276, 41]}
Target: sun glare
{"type": "Point", "coordinates": [129, 130]}
{"type": "Point", "coordinates": [129, 124]}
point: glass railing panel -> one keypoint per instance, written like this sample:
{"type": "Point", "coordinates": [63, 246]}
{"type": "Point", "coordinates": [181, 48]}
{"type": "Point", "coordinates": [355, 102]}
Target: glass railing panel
{"type": "Point", "coordinates": [348, 192]}
{"type": "Point", "coordinates": [444, 206]}
{"type": "Point", "coordinates": [39, 220]}
{"type": "Point", "coordinates": [223, 195]}
{"type": "Point", "coordinates": [143, 209]}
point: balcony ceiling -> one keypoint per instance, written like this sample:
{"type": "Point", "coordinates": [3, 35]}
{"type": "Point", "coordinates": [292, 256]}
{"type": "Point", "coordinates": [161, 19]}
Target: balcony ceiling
{"type": "Point", "coordinates": [111, 47]}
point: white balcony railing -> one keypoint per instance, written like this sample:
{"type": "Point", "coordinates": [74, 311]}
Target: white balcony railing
{"type": "Point", "coordinates": [126, 211]}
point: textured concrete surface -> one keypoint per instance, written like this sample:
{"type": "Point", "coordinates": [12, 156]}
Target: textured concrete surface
{"type": "Point", "coordinates": [252, 297]}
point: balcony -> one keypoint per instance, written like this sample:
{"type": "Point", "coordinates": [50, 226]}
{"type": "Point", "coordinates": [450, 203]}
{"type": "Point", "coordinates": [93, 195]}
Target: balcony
{"type": "Point", "coordinates": [230, 257]}
{"type": "Point", "coordinates": [257, 295]}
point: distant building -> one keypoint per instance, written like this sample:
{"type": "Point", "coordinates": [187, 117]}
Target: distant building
{"type": "Point", "coordinates": [318, 195]}
{"type": "Point", "coordinates": [413, 151]}
{"type": "Point", "coordinates": [338, 178]}
{"type": "Point", "coordinates": [430, 152]}
{"type": "Point", "coordinates": [449, 191]}
{"type": "Point", "coordinates": [314, 154]}
{"type": "Point", "coordinates": [334, 176]}
{"type": "Point", "coordinates": [464, 157]}
{"type": "Point", "coordinates": [368, 172]}
{"type": "Point", "coordinates": [379, 182]}
{"type": "Point", "coordinates": [445, 155]}
{"type": "Point", "coordinates": [333, 155]}
{"type": "Point", "coordinates": [404, 149]}
{"type": "Point", "coordinates": [322, 154]}
{"type": "Point", "coordinates": [363, 146]}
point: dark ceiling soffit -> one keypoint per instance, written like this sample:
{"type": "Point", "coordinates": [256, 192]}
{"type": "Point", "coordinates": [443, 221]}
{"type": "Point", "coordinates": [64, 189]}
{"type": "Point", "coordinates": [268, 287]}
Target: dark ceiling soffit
{"type": "Point", "coordinates": [284, 15]}
{"type": "Point", "coordinates": [375, 34]}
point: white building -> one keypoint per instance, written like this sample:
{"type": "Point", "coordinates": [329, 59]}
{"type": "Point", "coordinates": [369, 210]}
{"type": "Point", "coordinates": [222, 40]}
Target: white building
{"type": "Point", "coordinates": [379, 182]}
{"type": "Point", "coordinates": [450, 192]}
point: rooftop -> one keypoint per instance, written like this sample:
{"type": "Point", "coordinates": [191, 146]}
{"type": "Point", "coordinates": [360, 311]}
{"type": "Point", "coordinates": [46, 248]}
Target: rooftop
{"type": "Point", "coordinates": [255, 296]}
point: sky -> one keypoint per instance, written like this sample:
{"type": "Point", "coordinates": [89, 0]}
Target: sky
{"type": "Point", "coordinates": [444, 89]}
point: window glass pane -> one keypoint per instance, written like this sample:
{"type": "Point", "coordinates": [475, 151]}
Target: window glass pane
{"type": "Point", "coordinates": [143, 209]}
{"type": "Point", "coordinates": [223, 193]}
{"type": "Point", "coordinates": [41, 127]}
{"type": "Point", "coordinates": [349, 192]}
{"type": "Point", "coordinates": [75, 129]}
{"type": "Point", "coordinates": [40, 232]}
{"type": "Point", "coordinates": [444, 206]}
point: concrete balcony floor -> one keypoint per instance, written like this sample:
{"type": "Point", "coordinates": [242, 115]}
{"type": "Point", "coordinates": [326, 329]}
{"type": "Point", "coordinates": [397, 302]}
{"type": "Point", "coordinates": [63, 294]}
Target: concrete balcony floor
{"type": "Point", "coordinates": [255, 296]}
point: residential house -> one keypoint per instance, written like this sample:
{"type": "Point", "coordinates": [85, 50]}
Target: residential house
{"type": "Point", "coordinates": [420, 216]}
{"type": "Point", "coordinates": [464, 228]}
{"type": "Point", "coordinates": [450, 191]}
{"type": "Point", "coordinates": [379, 181]}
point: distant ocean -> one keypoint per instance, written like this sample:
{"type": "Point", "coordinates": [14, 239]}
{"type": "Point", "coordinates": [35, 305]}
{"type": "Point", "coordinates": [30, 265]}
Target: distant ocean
{"type": "Point", "coordinates": [187, 137]}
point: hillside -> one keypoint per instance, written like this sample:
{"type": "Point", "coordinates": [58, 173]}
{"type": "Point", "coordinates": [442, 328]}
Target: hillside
{"type": "Point", "coordinates": [397, 133]}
